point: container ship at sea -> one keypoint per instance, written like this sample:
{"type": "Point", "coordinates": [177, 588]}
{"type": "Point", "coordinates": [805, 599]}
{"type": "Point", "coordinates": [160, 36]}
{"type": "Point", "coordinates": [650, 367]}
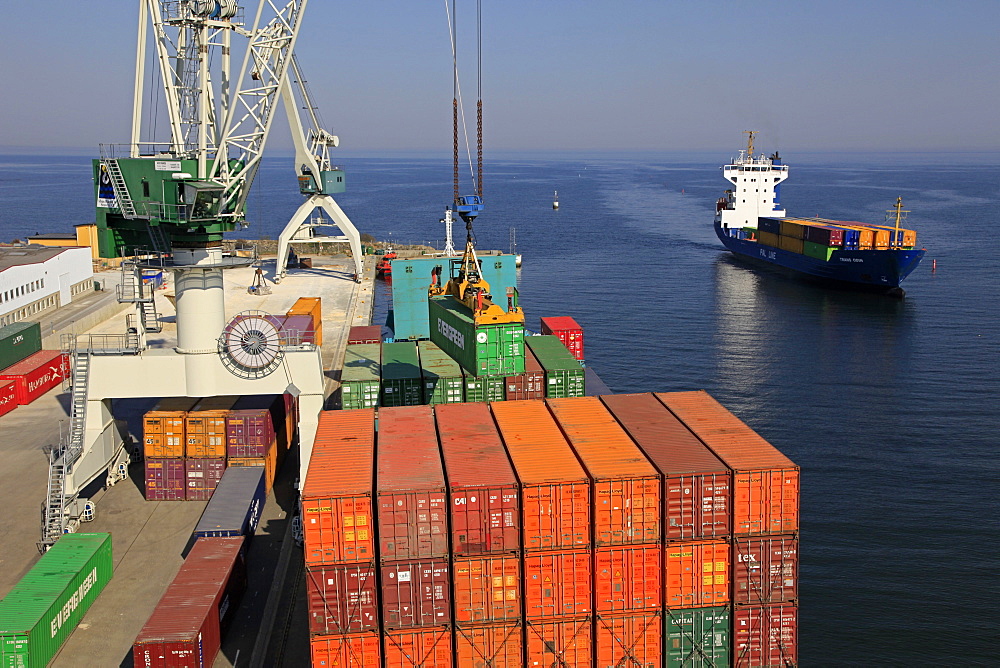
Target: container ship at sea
{"type": "Point", "coordinates": [751, 222]}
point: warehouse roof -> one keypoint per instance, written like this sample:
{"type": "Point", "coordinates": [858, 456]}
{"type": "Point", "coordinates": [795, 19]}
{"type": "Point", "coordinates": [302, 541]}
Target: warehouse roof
{"type": "Point", "coordinates": [15, 256]}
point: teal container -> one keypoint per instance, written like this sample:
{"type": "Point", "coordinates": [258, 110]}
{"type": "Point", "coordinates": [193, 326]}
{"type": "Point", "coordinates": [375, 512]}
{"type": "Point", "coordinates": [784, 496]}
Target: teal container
{"type": "Point", "coordinates": [697, 632]}
{"type": "Point", "coordinates": [18, 341]}
{"type": "Point", "coordinates": [401, 382]}
{"type": "Point", "coordinates": [484, 388]}
{"type": "Point", "coordinates": [359, 379]}
{"type": "Point", "coordinates": [564, 377]}
{"type": "Point", "coordinates": [442, 376]}
{"type": "Point", "coordinates": [486, 350]}
{"type": "Point", "coordinates": [44, 608]}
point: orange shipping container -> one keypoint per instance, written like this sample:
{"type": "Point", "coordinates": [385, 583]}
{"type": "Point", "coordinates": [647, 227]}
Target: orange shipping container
{"type": "Point", "coordinates": [205, 428]}
{"type": "Point", "coordinates": [337, 495]}
{"type": "Point", "coordinates": [626, 491]}
{"type": "Point", "coordinates": [559, 642]}
{"type": "Point", "coordinates": [489, 646]}
{"type": "Point", "coordinates": [163, 428]}
{"type": "Point", "coordinates": [357, 650]}
{"type": "Point", "coordinates": [697, 574]}
{"type": "Point", "coordinates": [486, 589]}
{"type": "Point", "coordinates": [555, 490]}
{"type": "Point", "coordinates": [765, 482]}
{"type": "Point", "coordinates": [627, 578]}
{"type": "Point", "coordinates": [312, 307]}
{"type": "Point", "coordinates": [630, 640]}
{"type": "Point", "coordinates": [557, 584]}
{"type": "Point", "coordinates": [429, 648]}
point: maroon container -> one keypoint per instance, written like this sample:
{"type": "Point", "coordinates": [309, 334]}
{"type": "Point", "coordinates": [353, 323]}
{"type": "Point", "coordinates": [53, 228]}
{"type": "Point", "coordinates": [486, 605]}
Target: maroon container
{"type": "Point", "coordinates": [697, 496]}
{"type": "Point", "coordinates": [527, 385]}
{"type": "Point", "coordinates": [343, 598]}
{"type": "Point", "coordinates": [482, 486]}
{"type": "Point", "coordinates": [202, 476]}
{"type": "Point", "coordinates": [8, 396]}
{"type": "Point", "coordinates": [566, 330]}
{"type": "Point", "coordinates": [298, 329]}
{"type": "Point", "coordinates": [36, 374]}
{"type": "Point", "coordinates": [410, 487]}
{"type": "Point", "coordinates": [165, 480]}
{"type": "Point", "coordinates": [365, 334]}
{"type": "Point", "coordinates": [765, 635]}
{"type": "Point", "coordinates": [765, 570]}
{"type": "Point", "coordinates": [827, 236]}
{"type": "Point", "coordinates": [416, 594]}
{"type": "Point", "coordinates": [188, 623]}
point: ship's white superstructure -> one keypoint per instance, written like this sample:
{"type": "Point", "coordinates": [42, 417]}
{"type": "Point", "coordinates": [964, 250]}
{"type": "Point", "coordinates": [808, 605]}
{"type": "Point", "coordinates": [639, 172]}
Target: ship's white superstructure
{"type": "Point", "coordinates": [755, 192]}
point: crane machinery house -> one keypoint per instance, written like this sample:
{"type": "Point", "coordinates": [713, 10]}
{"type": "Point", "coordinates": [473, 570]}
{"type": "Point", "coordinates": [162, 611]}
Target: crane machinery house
{"type": "Point", "coordinates": [35, 279]}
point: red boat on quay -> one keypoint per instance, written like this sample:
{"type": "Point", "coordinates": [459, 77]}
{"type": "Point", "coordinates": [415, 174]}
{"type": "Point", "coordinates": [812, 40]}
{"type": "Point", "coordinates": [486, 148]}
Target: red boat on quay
{"type": "Point", "coordinates": [384, 266]}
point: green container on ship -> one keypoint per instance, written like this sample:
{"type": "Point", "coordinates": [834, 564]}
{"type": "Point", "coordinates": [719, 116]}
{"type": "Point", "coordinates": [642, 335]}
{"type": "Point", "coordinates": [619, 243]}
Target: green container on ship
{"type": "Point", "coordinates": [43, 609]}
{"type": "Point", "coordinates": [18, 341]}
{"type": "Point", "coordinates": [564, 377]}
{"type": "Point", "coordinates": [359, 379]}
{"type": "Point", "coordinates": [487, 350]}
{"type": "Point", "coordinates": [697, 632]}
{"type": "Point", "coordinates": [484, 388]}
{"type": "Point", "coordinates": [442, 376]}
{"type": "Point", "coordinates": [818, 251]}
{"type": "Point", "coordinates": [401, 382]}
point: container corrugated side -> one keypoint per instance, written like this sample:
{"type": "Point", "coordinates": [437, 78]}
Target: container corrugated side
{"type": "Point", "coordinates": [18, 341]}
{"type": "Point", "coordinates": [696, 484]}
{"type": "Point", "coordinates": [765, 635]}
{"type": "Point", "coordinates": [236, 505]}
{"type": "Point", "coordinates": [252, 424]}
{"type": "Point", "coordinates": [41, 611]}
{"type": "Point", "coordinates": [36, 374]}
{"type": "Point", "coordinates": [342, 598]}
{"type": "Point", "coordinates": [559, 642]}
{"type": "Point", "coordinates": [484, 350]}
{"type": "Point", "coordinates": [697, 573]}
{"type": "Point", "coordinates": [626, 487]}
{"type": "Point", "coordinates": [312, 307]}
{"type": "Point", "coordinates": [401, 382]}
{"type": "Point", "coordinates": [566, 330]}
{"type": "Point", "coordinates": [365, 334]}
{"type": "Point", "coordinates": [527, 385]}
{"type": "Point", "coordinates": [633, 639]}
{"type": "Point", "coordinates": [201, 477]}
{"type": "Point", "coordinates": [269, 463]}
{"type": "Point", "coordinates": [165, 480]}
{"type": "Point", "coordinates": [564, 377]}
{"type": "Point", "coordinates": [416, 593]}
{"type": "Point", "coordinates": [425, 648]}
{"type": "Point", "coordinates": [490, 645]}
{"type": "Point", "coordinates": [337, 516]}
{"type": "Point", "coordinates": [628, 578]}
{"type": "Point", "coordinates": [555, 490]}
{"type": "Point", "coordinates": [765, 570]}
{"type": "Point", "coordinates": [486, 589]}
{"type": "Point", "coordinates": [765, 482]}
{"type": "Point", "coordinates": [360, 378]}
{"type": "Point", "coordinates": [697, 632]}
{"type": "Point", "coordinates": [163, 429]}
{"type": "Point", "coordinates": [8, 396]}
{"type": "Point", "coordinates": [484, 388]}
{"type": "Point", "coordinates": [357, 650]}
{"type": "Point", "coordinates": [442, 376]}
{"type": "Point", "coordinates": [485, 508]}
{"type": "Point", "coordinates": [558, 584]}
{"type": "Point", "coordinates": [409, 485]}
{"type": "Point", "coordinates": [205, 427]}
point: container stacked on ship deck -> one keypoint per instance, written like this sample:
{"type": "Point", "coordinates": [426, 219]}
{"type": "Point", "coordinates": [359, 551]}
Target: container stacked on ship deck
{"type": "Point", "coordinates": [564, 377]}
{"type": "Point", "coordinates": [401, 381]}
{"type": "Point", "coordinates": [164, 438]}
{"type": "Point", "coordinates": [441, 375]}
{"type": "Point", "coordinates": [339, 542]}
{"type": "Point", "coordinates": [360, 377]}
{"type": "Point", "coordinates": [819, 237]}
{"type": "Point", "coordinates": [483, 499]}
{"type": "Point", "coordinates": [566, 330]}
{"type": "Point", "coordinates": [556, 536]}
{"type": "Point", "coordinates": [765, 524]}
{"type": "Point", "coordinates": [695, 512]}
{"type": "Point", "coordinates": [205, 446]}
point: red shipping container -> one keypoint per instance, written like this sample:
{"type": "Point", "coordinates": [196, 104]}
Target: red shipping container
{"type": "Point", "coordinates": [8, 396]}
{"type": "Point", "coordinates": [342, 598]}
{"type": "Point", "coordinates": [626, 486]}
{"type": "Point", "coordinates": [555, 490]}
{"type": "Point", "coordinates": [427, 648]}
{"type": "Point", "coordinates": [697, 574]}
{"type": "Point", "coordinates": [557, 584]}
{"type": "Point", "coordinates": [527, 385]}
{"type": "Point", "coordinates": [485, 517]}
{"type": "Point", "coordinates": [630, 640]}
{"type": "Point", "coordinates": [297, 329]}
{"type": "Point", "coordinates": [202, 476]}
{"type": "Point", "coordinates": [489, 645]}
{"type": "Point", "coordinates": [166, 480]}
{"type": "Point", "coordinates": [559, 642]}
{"type": "Point", "coordinates": [249, 432]}
{"type": "Point", "coordinates": [364, 334]}
{"type": "Point", "coordinates": [567, 331]}
{"type": "Point", "coordinates": [765, 635]}
{"type": "Point", "coordinates": [765, 482]}
{"type": "Point", "coordinates": [416, 593]}
{"type": "Point", "coordinates": [486, 589]}
{"type": "Point", "coordinates": [36, 374]}
{"type": "Point", "coordinates": [410, 486]}
{"type": "Point", "coordinates": [765, 570]}
{"type": "Point", "coordinates": [337, 518]}
{"type": "Point", "coordinates": [696, 483]}
{"type": "Point", "coordinates": [358, 650]}
{"type": "Point", "coordinates": [188, 623]}
{"type": "Point", "coordinates": [628, 578]}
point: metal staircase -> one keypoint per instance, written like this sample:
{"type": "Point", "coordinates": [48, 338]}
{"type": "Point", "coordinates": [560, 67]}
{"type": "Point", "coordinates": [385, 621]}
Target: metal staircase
{"type": "Point", "coordinates": [121, 189]}
{"type": "Point", "coordinates": [150, 317]}
{"type": "Point", "coordinates": [159, 239]}
{"type": "Point", "coordinates": [132, 290]}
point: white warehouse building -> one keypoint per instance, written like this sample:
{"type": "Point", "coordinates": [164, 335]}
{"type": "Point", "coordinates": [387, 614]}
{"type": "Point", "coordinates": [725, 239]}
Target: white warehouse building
{"type": "Point", "coordinates": [35, 279]}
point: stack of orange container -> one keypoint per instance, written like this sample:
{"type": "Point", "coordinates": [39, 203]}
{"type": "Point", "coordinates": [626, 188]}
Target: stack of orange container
{"type": "Point", "coordinates": [556, 536]}
{"type": "Point", "coordinates": [485, 538]}
{"type": "Point", "coordinates": [205, 446]}
{"type": "Point", "coordinates": [765, 530]}
{"type": "Point", "coordinates": [164, 436]}
{"type": "Point", "coordinates": [339, 542]}
{"type": "Point", "coordinates": [412, 525]}
{"type": "Point", "coordinates": [625, 511]}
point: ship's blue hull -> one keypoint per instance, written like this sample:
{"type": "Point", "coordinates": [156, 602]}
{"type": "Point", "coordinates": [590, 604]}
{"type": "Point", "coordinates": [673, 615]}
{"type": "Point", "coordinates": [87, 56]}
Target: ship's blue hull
{"type": "Point", "coordinates": [877, 270]}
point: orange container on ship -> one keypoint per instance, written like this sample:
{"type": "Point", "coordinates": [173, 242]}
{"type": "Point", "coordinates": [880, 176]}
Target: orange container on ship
{"type": "Point", "coordinates": [489, 645]}
{"type": "Point", "coordinates": [487, 589]}
{"type": "Point", "coordinates": [163, 428]}
{"type": "Point", "coordinates": [696, 574]}
{"type": "Point", "coordinates": [633, 639]}
{"type": "Point", "coordinates": [357, 650]}
{"type": "Point", "coordinates": [417, 648]}
{"type": "Point", "coordinates": [205, 428]}
{"type": "Point", "coordinates": [557, 584]}
{"type": "Point", "coordinates": [627, 578]}
{"type": "Point", "coordinates": [559, 642]}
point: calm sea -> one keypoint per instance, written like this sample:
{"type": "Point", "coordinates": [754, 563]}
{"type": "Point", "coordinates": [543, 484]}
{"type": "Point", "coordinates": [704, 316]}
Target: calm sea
{"type": "Point", "coordinates": [889, 407]}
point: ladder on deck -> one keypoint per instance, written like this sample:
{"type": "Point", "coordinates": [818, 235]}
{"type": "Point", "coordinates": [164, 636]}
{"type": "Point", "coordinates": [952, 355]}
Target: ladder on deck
{"type": "Point", "coordinates": [150, 317]}
{"type": "Point", "coordinates": [159, 239]}
{"type": "Point", "coordinates": [125, 204]}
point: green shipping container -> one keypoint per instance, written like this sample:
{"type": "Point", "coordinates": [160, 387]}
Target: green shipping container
{"type": "Point", "coordinates": [401, 383]}
{"type": "Point", "coordinates": [697, 632]}
{"type": "Point", "coordinates": [42, 610]}
{"type": "Point", "coordinates": [18, 341]}
{"type": "Point", "coordinates": [487, 350]}
{"type": "Point", "coordinates": [484, 388]}
{"type": "Point", "coordinates": [818, 251]}
{"type": "Point", "coordinates": [442, 376]}
{"type": "Point", "coordinates": [564, 377]}
{"type": "Point", "coordinates": [359, 379]}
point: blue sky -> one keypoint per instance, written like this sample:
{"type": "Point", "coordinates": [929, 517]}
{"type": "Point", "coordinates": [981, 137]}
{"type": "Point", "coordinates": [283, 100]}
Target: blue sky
{"type": "Point", "coordinates": [565, 75]}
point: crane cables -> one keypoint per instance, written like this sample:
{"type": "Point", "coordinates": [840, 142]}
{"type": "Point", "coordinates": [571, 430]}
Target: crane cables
{"type": "Point", "coordinates": [458, 107]}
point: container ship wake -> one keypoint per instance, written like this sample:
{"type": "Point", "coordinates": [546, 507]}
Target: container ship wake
{"type": "Point", "coordinates": [751, 222]}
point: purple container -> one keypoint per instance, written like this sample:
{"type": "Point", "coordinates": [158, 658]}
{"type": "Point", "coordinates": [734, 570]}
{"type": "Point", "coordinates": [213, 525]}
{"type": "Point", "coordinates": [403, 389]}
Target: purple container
{"type": "Point", "coordinates": [298, 329]}
{"type": "Point", "coordinates": [250, 425]}
{"type": "Point", "coordinates": [202, 476]}
{"type": "Point", "coordinates": [165, 480]}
